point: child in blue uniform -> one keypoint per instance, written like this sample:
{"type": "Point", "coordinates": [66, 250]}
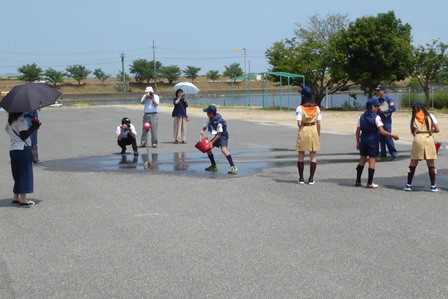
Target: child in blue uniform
{"type": "Point", "coordinates": [367, 141]}
{"type": "Point", "coordinates": [217, 126]}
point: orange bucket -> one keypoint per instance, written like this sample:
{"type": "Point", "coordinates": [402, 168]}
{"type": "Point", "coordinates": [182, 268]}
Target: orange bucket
{"type": "Point", "coordinates": [203, 145]}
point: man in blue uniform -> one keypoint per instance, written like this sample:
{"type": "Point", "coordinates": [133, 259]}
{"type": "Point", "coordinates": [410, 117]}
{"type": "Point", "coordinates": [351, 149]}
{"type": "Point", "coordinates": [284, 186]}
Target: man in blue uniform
{"type": "Point", "coordinates": [387, 107]}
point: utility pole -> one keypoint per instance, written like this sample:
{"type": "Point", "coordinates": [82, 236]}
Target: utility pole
{"type": "Point", "coordinates": [154, 63]}
{"type": "Point", "coordinates": [122, 73]}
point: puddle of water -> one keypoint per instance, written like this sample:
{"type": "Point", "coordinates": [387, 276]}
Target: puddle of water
{"type": "Point", "coordinates": [248, 161]}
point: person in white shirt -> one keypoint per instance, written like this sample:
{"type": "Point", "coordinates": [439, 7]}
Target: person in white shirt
{"type": "Point", "coordinates": [21, 157]}
{"type": "Point", "coordinates": [151, 103]}
{"type": "Point", "coordinates": [126, 135]}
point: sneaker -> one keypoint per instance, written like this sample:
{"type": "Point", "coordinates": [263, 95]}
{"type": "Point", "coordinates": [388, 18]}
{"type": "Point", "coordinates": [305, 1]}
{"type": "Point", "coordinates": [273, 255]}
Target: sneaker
{"type": "Point", "coordinates": [408, 187]}
{"type": "Point", "coordinates": [358, 184]}
{"type": "Point", "coordinates": [136, 153]}
{"type": "Point", "coordinates": [232, 170]}
{"type": "Point", "coordinates": [301, 181]}
{"type": "Point", "coordinates": [434, 188]}
{"type": "Point", "coordinates": [372, 186]}
{"type": "Point", "coordinates": [311, 182]}
{"type": "Point", "coordinates": [176, 142]}
{"type": "Point", "coordinates": [123, 151]}
{"type": "Point", "coordinates": [142, 145]}
{"type": "Point", "coordinates": [212, 168]}
{"type": "Point", "coordinates": [154, 145]}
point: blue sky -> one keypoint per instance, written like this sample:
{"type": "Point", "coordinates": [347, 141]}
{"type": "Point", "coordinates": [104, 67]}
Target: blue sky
{"type": "Point", "coordinates": [200, 33]}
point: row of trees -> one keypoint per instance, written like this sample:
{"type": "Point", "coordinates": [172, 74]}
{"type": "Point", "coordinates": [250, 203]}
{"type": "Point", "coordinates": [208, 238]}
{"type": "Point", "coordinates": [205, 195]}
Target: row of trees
{"type": "Point", "coordinates": [336, 54]}
{"type": "Point", "coordinates": [143, 71]}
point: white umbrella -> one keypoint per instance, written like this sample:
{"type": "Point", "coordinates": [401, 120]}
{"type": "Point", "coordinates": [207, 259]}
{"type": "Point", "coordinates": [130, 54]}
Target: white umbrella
{"type": "Point", "coordinates": [187, 87]}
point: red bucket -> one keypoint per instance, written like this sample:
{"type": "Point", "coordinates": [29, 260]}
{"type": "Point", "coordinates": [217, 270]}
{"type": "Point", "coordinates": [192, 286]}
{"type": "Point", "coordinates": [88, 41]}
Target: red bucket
{"type": "Point", "coordinates": [203, 145]}
{"type": "Point", "coordinates": [438, 145]}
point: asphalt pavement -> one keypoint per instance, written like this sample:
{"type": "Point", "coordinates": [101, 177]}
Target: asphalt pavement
{"type": "Point", "coordinates": [104, 226]}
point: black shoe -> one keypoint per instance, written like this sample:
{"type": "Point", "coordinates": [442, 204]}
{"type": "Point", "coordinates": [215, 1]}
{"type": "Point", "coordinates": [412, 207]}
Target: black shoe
{"type": "Point", "coordinates": [26, 204]}
{"type": "Point", "coordinates": [15, 202]}
{"type": "Point", "coordinates": [136, 154]}
{"type": "Point", "coordinates": [123, 151]}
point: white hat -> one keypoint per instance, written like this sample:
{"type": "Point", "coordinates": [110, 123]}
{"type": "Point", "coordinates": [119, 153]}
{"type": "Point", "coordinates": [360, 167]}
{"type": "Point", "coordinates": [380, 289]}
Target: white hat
{"type": "Point", "coordinates": [149, 89]}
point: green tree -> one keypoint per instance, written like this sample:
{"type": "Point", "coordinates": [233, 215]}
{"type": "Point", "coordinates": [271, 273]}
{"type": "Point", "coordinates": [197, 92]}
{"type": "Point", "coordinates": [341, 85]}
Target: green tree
{"type": "Point", "coordinates": [375, 50]}
{"type": "Point", "coordinates": [213, 75]}
{"type": "Point", "coordinates": [191, 72]}
{"type": "Point", "coordinates": [233, 70]}
{"type": "Point", "coordinates": [54, 77]}
{"type": "Point", "coordinates": [429, 62]}
{"type": "Point", "coordinates": [442, 77]}
{"type": "Point", "coordinates": [30, 72]}
{"type": "Point", "coordinates": [310, 53]}
{"type": "Point", "coordinates": [77, 72]}
{"type": "Point", "coordinates": [101, 75]}
{"type": "Point", "coordinates": [144, 70]}
{"type": "Point", "coordinates": [171, 73]}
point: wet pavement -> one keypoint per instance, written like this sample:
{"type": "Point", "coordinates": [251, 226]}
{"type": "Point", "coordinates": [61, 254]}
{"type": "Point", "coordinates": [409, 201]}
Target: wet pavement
{"type": "Point", "coordinates": [104, 226]}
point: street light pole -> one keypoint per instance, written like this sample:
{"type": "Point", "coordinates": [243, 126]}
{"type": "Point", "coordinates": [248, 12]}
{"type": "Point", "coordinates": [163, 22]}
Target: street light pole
{"type": "Point", "coordinates": [239, 50]}
{"type": "Point", "coordinates": [244, 49]}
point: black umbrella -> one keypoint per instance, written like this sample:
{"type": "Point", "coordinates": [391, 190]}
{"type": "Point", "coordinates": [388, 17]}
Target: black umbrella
{"type": "Point", "coordinates": [29, 97]}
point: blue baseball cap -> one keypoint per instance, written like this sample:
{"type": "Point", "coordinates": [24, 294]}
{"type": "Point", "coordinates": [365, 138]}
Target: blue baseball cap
{"type": "Point", "coordinates": [372, 102]}
{"type": "Point", "coordinates": [210, 108]}
{"type": "Point", "coordinates": [416, 104]}
{"type": "Point", "coordinates": [306, 91]}
{"type": "Point", "coordinates": [380, 87]}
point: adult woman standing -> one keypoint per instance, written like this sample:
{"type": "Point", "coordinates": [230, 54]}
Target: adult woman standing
{"type": "Point", "coordinates": [308, 139]}
{"type": "Point", "coordinates": [21, 156]}
{"type": "Point", "coordinates": [180, 117]}
{"type": "Point", "coordinates": [423, 126]}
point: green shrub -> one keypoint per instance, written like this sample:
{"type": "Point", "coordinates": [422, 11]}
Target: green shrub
{"type": "Point", "coordinates": [441, 100]}
{"type": "Point", "coordinates": [407, 99]}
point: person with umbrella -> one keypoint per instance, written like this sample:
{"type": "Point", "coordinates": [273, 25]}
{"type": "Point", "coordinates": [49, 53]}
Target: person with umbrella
{"type": "Point", "coordinates": [23, 98]}
{"type": "Point", "coordinates": [180, 117]}
{"type": "Point", "coordinates": [21, 156]}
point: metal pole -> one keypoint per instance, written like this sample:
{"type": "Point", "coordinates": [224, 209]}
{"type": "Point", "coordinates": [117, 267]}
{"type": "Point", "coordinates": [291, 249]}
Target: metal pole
{"type": "Point", "coordinates": [154, 63]}
{"type": "Point", "coordinates": [122, 72]}
{"type": "Point", "coordinates": [244, 60]}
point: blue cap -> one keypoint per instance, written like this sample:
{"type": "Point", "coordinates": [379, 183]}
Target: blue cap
{"type": "Point", "coordinates": [372, 102]}
{"type": "Point", "coordinates": [416, 104]}
{"type": "Point", "coordinates": [210, 108]}
{"type": "Point", "coordinates": [306, 91]}
{"type": "Point", "coordinates": [380, 87]}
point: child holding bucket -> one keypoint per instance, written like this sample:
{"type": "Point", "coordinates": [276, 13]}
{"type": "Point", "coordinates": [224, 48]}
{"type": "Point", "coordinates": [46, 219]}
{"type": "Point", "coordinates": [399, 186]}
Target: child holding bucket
{"type": "Point", "coordinates": [217, 126]}
{"type": "Point", "coordinates": [423, 126]}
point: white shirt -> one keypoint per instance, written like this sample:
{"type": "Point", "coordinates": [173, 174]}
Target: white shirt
{"type": "Point", "coordinates": [125, 133]}
{"type": "Point", "coordinates": [378, 121]}
{"type": "Point", "coordinates": [219, 128]}
{"type": "Point", "coordinates": [299, 113]}
{"type": "Point", "coordinates": [16, 142]}
{"type": "Point", "coordinates": [149, 106]}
